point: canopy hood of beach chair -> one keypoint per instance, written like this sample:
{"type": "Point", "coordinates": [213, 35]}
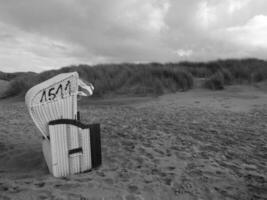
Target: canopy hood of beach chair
{"type": "Point", "coordinates": [55, 98]}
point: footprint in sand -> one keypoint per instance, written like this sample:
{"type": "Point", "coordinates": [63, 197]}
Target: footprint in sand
{"type": "Point", "coordinates": [9, 188]}
{"type": "Point", "coordinates": [44, 194]}
{"type": "Point", "coordinates": [40, 185]}
{"type": "Point", "coordinates": [171, 168]}
{"type": "Point", "coordinates": [109, 181]}
{"type": "Point", "coordinates": [168, 181]}
{"type": "Point", "coordinates": [133, 189]}
{"type": "Point", "coordinates": [3, 188]}
{"type": "Point", "coordinates": [183, 188]}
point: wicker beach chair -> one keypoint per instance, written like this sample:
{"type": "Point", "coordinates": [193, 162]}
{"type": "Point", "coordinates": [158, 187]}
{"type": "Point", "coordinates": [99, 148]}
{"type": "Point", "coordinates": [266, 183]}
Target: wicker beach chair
{"type": "Point", "coordinates": [69, 146]}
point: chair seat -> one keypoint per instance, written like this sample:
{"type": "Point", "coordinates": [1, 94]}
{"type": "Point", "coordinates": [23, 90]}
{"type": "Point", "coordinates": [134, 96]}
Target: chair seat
{"type": "Point", "coordinates": [72, 147]}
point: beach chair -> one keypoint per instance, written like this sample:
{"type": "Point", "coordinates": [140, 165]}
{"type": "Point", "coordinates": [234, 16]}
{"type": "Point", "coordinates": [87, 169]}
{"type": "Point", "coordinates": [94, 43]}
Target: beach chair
{"type": "Point", "coordinates": [69, 147]}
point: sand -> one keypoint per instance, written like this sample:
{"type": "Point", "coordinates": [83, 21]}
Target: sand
{"type": "Point", "coordinates": [191, 145]}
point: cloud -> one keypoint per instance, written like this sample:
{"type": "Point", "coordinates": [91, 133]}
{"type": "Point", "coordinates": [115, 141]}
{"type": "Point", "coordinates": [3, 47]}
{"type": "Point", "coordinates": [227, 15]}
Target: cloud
{"type": "Point", "coordinates": [184, 52]}
{"type": "Point", "coordinates": [248, 37]}
{"type": "Point", "coordinates": [102, 31]}
{"type": "Point", "coordinates": [206, 14]}
{"type": "Point", "coordinates": [147, 16]}
{"type": "Point", "coordinates": [37, 35]}
{"type": "Point", "coordinates": [251, 34]}
{"type": "Point", "coordinates": [20, 49]}
{"type": "Point", "coordinates": [236, 5]}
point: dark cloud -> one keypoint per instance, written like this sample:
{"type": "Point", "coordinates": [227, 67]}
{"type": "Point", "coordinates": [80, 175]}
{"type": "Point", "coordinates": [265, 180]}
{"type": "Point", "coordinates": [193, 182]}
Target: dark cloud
{"type": "Point", "coordinates": [62, 32]}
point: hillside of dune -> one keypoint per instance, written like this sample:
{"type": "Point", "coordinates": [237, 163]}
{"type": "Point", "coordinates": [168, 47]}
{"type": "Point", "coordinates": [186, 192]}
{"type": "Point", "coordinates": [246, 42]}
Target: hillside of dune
{"type": "Point", "coordinates": [154, 79]}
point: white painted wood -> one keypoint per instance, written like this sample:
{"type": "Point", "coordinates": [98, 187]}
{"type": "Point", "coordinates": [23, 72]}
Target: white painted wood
{"type": "Point", "coordinates": [86, 145]}
{"type": "Point", "coordinates": [64, 137]}
{"type": "Point", "coordinates": [44, 108]}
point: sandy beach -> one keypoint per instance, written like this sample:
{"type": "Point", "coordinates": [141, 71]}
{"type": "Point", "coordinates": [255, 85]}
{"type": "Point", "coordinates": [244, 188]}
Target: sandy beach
{"type": "Point", "coordinates": [197, 145]}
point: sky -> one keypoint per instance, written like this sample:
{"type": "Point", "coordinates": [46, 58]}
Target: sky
{"type": "Point", "coordinates": [37, 35]}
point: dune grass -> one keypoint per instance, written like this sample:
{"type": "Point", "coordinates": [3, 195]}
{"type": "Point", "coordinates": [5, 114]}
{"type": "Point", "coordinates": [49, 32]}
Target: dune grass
{"type": "Point", "coordinates": [149, 79]}
{"type": "Point", "coordinates": [226, 72]}
{"type": "Point", "coordinates": [123, 79]}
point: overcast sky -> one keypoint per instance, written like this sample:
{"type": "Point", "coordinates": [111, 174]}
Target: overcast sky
{"type": "Point", "coordinates": [37, 35]}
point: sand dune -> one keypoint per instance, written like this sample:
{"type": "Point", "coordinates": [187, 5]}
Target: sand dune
{"type": "Point", "coordinates": [3, 86]}
{"type": "Point", "coordinates": [193, 145]}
